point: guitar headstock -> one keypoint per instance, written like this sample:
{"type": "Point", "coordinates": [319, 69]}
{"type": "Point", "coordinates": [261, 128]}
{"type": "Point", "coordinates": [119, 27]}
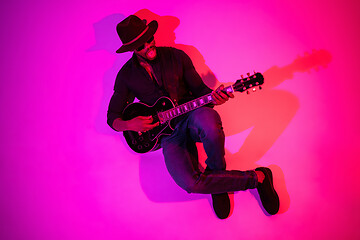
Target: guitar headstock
{"type": "Point", "coordinates": [249, 82]}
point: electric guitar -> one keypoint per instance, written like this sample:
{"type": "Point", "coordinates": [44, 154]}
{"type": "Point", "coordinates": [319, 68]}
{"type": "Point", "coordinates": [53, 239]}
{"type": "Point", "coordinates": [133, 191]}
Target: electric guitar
{"type": "Point", "coordinates": [164, 110]}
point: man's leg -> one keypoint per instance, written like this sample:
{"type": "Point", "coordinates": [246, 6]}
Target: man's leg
{"type": "Point", "coordinates": [182, 161]}
{"type": "Point", "coordinates": [205, 126]}
{"type": "Point", "coordinates": [202, 125]}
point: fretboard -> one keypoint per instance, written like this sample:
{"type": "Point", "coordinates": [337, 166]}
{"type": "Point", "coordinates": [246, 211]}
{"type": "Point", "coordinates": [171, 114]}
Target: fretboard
{"type": "Point", "coordinates": [189, 106]}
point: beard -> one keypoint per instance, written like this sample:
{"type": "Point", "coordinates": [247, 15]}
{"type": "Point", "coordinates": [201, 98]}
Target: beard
{"type": "Point", "coordinates": [151, 54]}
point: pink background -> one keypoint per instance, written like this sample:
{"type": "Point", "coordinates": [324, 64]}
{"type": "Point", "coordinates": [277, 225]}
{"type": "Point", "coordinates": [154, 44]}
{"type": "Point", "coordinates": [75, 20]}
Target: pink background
{"type": "Point", "coordinates": [64, 174]}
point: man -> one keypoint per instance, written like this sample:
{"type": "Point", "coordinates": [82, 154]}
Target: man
{"type": "Point", "coordinates": [153, 72]}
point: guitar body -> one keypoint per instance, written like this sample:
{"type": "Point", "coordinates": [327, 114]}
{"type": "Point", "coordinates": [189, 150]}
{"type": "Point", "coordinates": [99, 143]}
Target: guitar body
{"type": "Point", "coordinates": [147, 141]}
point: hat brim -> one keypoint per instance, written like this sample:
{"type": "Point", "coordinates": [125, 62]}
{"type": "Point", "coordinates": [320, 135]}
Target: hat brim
{"type": "Point", "coordinates": [153, 26]}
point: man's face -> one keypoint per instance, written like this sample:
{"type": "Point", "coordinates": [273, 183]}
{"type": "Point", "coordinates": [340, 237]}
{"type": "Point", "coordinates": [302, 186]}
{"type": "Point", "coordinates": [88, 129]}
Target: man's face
{"type": "Point", "coordinates": [148, 51]}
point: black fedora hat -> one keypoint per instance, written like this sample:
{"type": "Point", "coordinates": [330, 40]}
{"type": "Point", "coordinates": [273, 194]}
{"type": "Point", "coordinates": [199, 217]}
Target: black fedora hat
{"type": "Point", "coordinates": [134, 32]}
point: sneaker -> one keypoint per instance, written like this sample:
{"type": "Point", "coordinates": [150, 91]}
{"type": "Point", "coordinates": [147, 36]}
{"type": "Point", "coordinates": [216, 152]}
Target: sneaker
{"type": "Point", "coordinates": [269, 197]}
{"type": "Point", "coordinates": [221, 205]}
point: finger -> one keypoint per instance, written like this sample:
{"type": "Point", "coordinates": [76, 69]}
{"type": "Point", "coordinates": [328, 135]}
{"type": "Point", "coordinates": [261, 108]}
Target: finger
{"type": "Point", "coordinates": [219, 92]}
{"type": "Point", "coordinates": [220, 96]}
{"type": "Point", "coordinates": [151, 126]}
{"type": "Point", "coordinates": [228, 94]}
{"type": "Point", "coordinates": [221, 87]}
{"type": "Point", "coordinates": [231, 95]}
{"type": "Point", "coordinates": [224, 96]}
{"type": "Point", "coordinates": [155, 124]}
{"type": "Point", "coordinates": [147, 123]}
{"type": "Point", "coordinates": [217, 97]}
{"type": "Point", "coordinates": [145, 117]}
{"type": "Point", "coordinates": [218, 101]}
{"type": "Point", "coordinates": [146, 120]}
{"type": "Point", "coordinates": [142, 118]}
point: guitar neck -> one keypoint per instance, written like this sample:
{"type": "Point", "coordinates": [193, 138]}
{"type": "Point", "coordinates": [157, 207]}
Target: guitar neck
{"type": "Point", "coordinates": [189, 106]}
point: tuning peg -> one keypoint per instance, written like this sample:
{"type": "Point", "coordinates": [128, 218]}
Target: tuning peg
{"type": "Point", "coordinates": [242, 76]}
{"type": "Point", "coordinates": [260, 87]}
{"type": "Point", "coordinates": [248, 74]}
{"type": "Point", "coordinates": [247, 92]}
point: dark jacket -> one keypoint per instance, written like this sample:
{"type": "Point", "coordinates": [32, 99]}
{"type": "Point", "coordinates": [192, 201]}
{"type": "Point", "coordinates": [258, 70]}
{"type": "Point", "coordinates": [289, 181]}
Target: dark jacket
{"type": "Point", "coordinates": [176, 75]}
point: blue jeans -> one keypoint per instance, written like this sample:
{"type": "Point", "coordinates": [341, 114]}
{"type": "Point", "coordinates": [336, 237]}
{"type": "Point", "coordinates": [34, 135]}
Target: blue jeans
{"type": "Point", "coordinates": [181, 156]}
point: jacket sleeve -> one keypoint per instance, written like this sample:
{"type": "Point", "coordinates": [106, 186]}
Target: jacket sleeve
{"type": "Point", "coordinates": [192, 77]}
{"type": "Point", "coordinates": [119, 100]}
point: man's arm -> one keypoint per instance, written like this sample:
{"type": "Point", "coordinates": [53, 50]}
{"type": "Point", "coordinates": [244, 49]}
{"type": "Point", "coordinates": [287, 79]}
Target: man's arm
{"type": "Point", "coordinates": [197, 85]}
{"type": "Point", "coordinates": [116, 105]}
{"type": "Point", "coordinates": [115, 121]}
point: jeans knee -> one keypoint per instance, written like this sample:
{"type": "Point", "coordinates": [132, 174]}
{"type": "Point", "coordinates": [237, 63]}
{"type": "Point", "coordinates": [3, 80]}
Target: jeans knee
{"type": "Point", "coordinates": [212, 132]}
{"type": "Point", "coordinates": [191, 185]}
{"type": "Point", "coordinates": [208, 124]}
